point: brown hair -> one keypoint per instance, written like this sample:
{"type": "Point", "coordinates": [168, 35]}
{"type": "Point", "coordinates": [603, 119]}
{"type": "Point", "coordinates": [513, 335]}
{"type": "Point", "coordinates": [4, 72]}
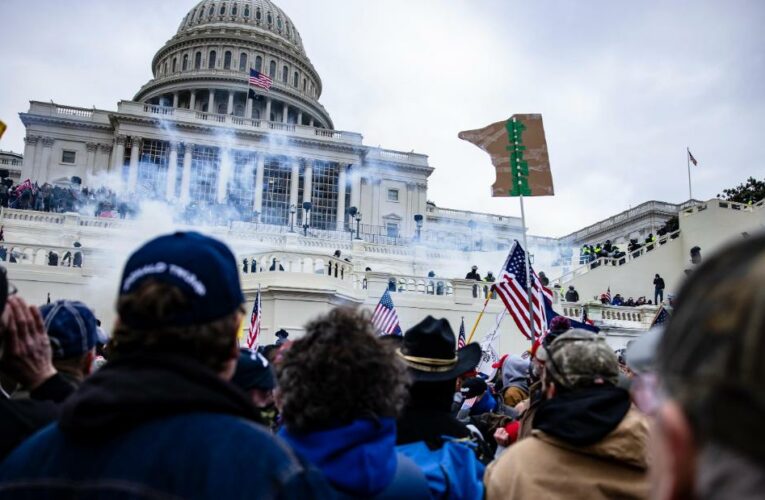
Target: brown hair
{"type": "Point", "coordinates": [156, 303]}
{"type": "Point", "coordinates": [339, 372]}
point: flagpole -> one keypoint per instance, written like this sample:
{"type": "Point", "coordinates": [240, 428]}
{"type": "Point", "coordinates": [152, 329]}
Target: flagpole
{"type": "Point", "coordinates": [688, 161]}
{"type": "Point", "coordinates": [528, 271]}
{"type": "Point", "coordinates": [480, 315]}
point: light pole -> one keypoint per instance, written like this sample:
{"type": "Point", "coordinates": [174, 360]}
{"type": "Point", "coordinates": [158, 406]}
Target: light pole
{"type": "Point", "coordinates": [418, 221]}
{"type": "Point", "coordinates": [306, 217]}
{"type": "Point", "coordinates": [293, 211]}
{"type": "Point", "coordinates": [355, 215]}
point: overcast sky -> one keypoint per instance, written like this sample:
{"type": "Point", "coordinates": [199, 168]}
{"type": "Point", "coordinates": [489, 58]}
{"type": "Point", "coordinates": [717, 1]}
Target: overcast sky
{"type": "Point", "coordinates": [623, 86]}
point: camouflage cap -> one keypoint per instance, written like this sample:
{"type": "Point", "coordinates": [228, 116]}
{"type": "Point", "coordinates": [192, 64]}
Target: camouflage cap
{"type": "Point", "coordinates": [579, 358]}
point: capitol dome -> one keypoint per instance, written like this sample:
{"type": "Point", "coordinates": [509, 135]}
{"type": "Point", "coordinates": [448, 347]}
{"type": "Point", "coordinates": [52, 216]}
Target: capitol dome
{"type": "Point", "coordinates": [205, 66]}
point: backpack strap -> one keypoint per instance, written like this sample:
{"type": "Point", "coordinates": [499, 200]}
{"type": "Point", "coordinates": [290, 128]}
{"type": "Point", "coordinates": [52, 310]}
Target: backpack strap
{"type": "Point", "coordinates": [409, 482]}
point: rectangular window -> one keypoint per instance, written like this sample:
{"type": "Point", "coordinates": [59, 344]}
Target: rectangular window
{"type": "Point", "coordinates": [392, 229]}
{"type": "Point", "coordinates": [152, 168]}
{"type": "Point", "coordinates": [393, 195]}
{"type": "Point", "coordinates": [324, 190]}
{"type": "Point", "coordinates": [205, 163]}
{"type": "Point", "coordinates": [241, 184]}
{"type": "Point", "coordinates": [68, 157]}
{"type": "Point", "coordinates": [276, 192]}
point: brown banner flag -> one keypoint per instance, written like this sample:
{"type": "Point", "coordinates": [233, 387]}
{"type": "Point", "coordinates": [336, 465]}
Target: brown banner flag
{"type": "Point", "coordinates": [2, 128]}
{"type": "Point", "coordinates": [518, 151]}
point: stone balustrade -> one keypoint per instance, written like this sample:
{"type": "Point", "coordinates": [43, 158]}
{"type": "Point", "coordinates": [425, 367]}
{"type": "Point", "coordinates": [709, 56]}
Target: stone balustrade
{"type": "Point", "coordinates": [293, 262]}
{"type": "Point", "coordinates": [231, 121]}
{"type": "Point", "coordinates": [729, 205]}
{"type": "Point", "coordinates": [41, 255]}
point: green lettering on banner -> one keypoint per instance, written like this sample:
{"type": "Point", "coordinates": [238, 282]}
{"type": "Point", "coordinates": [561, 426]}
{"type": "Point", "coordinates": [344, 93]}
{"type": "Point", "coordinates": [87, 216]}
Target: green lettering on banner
{"type": "Point", "coordinates": [519, 167]}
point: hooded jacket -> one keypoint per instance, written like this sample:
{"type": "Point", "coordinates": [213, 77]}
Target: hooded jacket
{"type": "Point", "coordinates": [358, 459]}
{"type": "Point", "coordinates": [598, 451]}
{"type": "Point", "coordinates": [157, 426]}
{"type": "Point", "coordinates": [515, 380]}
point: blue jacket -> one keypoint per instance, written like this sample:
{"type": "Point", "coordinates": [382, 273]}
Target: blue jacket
{"type": "Point", "coordinates": [358, 459]}
{"type": "Point", "coordinates": [165, 427]}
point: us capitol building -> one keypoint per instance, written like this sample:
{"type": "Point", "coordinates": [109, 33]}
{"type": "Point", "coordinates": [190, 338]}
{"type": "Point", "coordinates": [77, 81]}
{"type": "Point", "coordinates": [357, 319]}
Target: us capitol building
{"type": "Point", "coordinates": [298, 188]}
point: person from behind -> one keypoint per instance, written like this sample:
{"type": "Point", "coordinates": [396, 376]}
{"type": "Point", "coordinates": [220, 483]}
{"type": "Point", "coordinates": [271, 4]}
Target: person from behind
{"type": "Point", "coordinates": [473, 275]}
{"type": "Point", "coordinates": [340, 391]}
{"type": "Point", "coordinates": [73, 333]}
{"type": "Point", "coordinates": [161, 419]}
{"type": "Point", "coordinates": [587, 441]}
{"type": "Point", "coordinates": [281, 336]}
{"type": "Point", "coordinates": [428, 432]}
{"type": "Point", "coordinates": [571, 294]}
{"type": "Point", "coordinates": [709, 403]}
{"type": "Point", "coordinates": [515, 380]}
{"type": "Point", "coordinates": [254, 375]}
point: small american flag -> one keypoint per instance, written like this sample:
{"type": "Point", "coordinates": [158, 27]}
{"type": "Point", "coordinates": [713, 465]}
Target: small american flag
{"type": "Point", "coordinates": [385, 317]}
{"type": "Point", "coordinates": [608, 295]}
{"type": "Point", "coordinates": [513, 289]}
{"type": "Point", "coordinates": [461, 338]}
{"type": "Point", "coordinates": [662, 315]}
{"type": "Point", "coordinates": [254, 331]}
{"type": "Point", "coordinates": [692, 159]}
{"type": "Point", "coordinates": [258, 79]}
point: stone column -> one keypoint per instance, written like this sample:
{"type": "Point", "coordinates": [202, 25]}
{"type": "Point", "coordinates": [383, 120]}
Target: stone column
{"type": "Point", "coordinates": [103, 162]}
{"type": "Point", "coordinates": [285, 112]}
{"type": "Point", "coordinates": [294, 182]}
{"type": "Point", "coordinates": [47, 144]}
{"type": "Point", "coordinates": [186, 174]}
{"type": "Point", "coordinates": [90, 159]}
{"type": "Point", "coordinates": [248, 108]}
{"type": "Point", "coordinates": [175, 99]}
{"type": "Point", "coordinates": [259, 185]}
{"type": "Point", "coordinates": [376, 188]}
{"type": "Point", "coordinates": [193, 100]}
{"type": "Point", "coordinates": [30, 146]}
{"type": "Point", "coordinates": [341, 180]}
{"type": "Point", "coordinates": [119, 154]}
{"type": "Point", "coordinates": [308, 180]}
{"type": "Point", "coordinates": [172, 168]}
{"type": "Point", "coordinates": [135, 149]}
{"type": "Point", "coordinates": [268, 110]}
{"type": "Point", "coordinates": [300, 118]}
{"type": "Point", "coordinates": [310, 123]}
{"type": "Point", "coordinates": [356, 186]}
{"type": "Point", "coordinates": [230, 108]}
{"type": "Point", "coordinates": [211, 102]}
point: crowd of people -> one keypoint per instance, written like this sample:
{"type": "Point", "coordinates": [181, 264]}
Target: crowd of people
{"type": "Point", "coordinates": [170, 406]}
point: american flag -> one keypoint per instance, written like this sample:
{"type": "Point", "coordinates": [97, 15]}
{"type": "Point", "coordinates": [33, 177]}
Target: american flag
{"type": "Point", "coordinates": [513, 289]}
{"type": "Point", "coordinates": [662, 315]}
{"type": "Point", "coordinates": [258, 79]}
{"type": "Point", "coordinates": [254, 331]}
{"type": "Point", "coordinates": [385, 317]}
{"type": "Point", "coordinates": [692, 159]}
{"type": "Point", "coordinates": [461, 337]}
{"type": "Point", "coordinates": [608, 294]}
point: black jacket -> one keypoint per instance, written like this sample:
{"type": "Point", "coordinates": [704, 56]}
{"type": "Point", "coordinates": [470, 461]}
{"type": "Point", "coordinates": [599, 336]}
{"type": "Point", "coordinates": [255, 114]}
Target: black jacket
{"type": "Point", "coordinates": [20, 418]}
{"type": "Point", "coordinates": [658, 283]}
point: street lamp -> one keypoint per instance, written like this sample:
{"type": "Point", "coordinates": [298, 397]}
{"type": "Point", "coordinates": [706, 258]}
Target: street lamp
{"type": "Point", "coordinates": [306, 219]}
{"type": "Point", "coordinates": [293, 211]}
{"type": "Point", "coordinates": [418, 221]}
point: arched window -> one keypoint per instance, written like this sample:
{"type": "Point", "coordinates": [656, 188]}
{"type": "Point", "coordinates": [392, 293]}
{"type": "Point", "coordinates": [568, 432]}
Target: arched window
{"type": "Point", "coordinates": [258, 64]}
{"type": "Point", "coordinates": [285, 74]}
{"type": "Point", "coordinates": [222, 9]}
{"type": "Point", "coordinates": [211, 60]}
{"type": "Point", "coordinates": [185, 63]}
{"type": "Point", "coordinates": [246, 11]}
{"type": "Point", "coordinates": [295, 79]}
{"type": "Point", "coordinates": [305, 83]}
{"type": "Point", "coordinates": [164, 68]}
{"type": "Point", "coordinates": [279, 23]}
{"type": "Point", "coordinates": [233, 10]}
{"type": "Point", "coordinates": [175, 61]}
{"type": "Point", "coordinates": [258, 15]}
{"type": "Point", "coordinates": [198, 60]}
{"type": "Point", "coordinates": [227, 60]}
{"type": "Point", "coordinates": [272, 69]}
{"type": "Point", "coordinates": [242, 62]}
{"type": "Point", "coordinates": [201, 13]}
{"type": "Point", "coordinates": [211, 11]}
{"type": "Point", "coordinates": [269, 19]}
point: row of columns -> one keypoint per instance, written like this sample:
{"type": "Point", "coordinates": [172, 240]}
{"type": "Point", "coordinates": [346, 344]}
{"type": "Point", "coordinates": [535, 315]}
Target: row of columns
{"type": "Point", "coordinates": [211, 108]}
{"type": "Point", "coordinates": [135, 149]}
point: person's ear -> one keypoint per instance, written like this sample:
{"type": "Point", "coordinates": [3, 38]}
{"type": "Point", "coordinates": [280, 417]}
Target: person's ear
{"type": "Point", "coordinates": [673, 454]}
